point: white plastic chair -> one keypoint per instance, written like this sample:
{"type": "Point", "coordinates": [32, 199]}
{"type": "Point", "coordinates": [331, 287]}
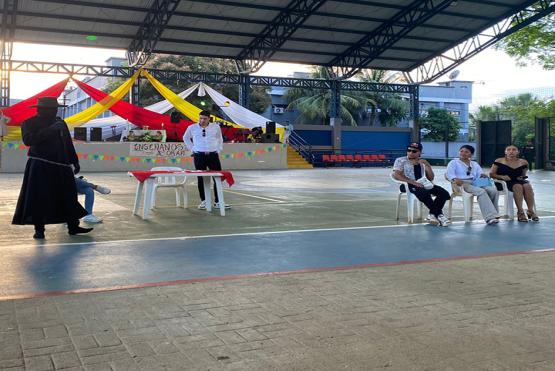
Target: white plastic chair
{"type": "Point", "coordinates": [178, 182]}
{"type": "Point", "coordinates": [468, 200]}
{"type": "Point", "coordinates": [412, 202]}
{"type": "Point", "coordinates": [507, 199]}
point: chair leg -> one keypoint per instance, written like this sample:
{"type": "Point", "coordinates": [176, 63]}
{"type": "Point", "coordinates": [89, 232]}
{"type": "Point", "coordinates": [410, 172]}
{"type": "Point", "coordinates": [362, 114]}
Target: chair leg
{"type": "Point", "coordinates": [467, 206]}
{"type": "Point", "coordinates": [153, 198]}
{"type": "Point", "coordinates": [410, 209]}
{"type": "Point", "coordinates": [185, 196]}
{"type": "Point", "coordinates": [450, 209]}
{"type": "Point", "coordinates": [397, 208]}
{"type": "Point", "coordinates": [177, 198]}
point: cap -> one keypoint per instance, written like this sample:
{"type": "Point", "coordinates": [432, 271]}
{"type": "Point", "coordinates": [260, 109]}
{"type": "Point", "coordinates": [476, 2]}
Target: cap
{"type": "Point", "coordinates": [415, 145]}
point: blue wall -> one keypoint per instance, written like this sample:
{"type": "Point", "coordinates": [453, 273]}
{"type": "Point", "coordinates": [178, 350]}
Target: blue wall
{"type": "Point", "coordinates": [374, 140]}
{"type": "Point", "coordinates": [316, 137]}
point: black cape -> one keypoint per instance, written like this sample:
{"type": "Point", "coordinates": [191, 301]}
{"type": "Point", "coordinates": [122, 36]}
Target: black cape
{"type": "Point", "coordinates": [48, 194]}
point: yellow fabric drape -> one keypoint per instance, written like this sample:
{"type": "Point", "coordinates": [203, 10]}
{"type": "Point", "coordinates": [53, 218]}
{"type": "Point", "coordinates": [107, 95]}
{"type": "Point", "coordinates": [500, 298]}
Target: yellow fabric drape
{"type": "Point", "coordinates": [14, 134]}
{"type": "Point", "coordinates": [102, 106]}
{"type": "Point", "coordinates": [186, 108]}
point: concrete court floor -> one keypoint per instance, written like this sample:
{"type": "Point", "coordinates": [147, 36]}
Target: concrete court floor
{"type": "Point", "coordinates": [390, 317]}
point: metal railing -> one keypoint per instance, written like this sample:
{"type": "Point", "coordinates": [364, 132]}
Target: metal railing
{"type": "Point", "coordinates": [302, 146]}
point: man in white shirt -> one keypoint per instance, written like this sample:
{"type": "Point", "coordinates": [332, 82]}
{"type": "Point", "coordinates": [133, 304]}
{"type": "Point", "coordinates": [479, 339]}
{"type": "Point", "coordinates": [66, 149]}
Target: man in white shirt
{"type": "Point", "coordinates": [204, 139]}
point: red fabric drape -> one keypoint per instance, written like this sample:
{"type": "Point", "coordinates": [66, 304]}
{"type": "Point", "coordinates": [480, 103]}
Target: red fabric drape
{"type": "Point", "coordinates": [20, 112]}
{"type": "Point", "coordinates": [143, 175]}
{"type": "Point", "coordinates": [140, 116]}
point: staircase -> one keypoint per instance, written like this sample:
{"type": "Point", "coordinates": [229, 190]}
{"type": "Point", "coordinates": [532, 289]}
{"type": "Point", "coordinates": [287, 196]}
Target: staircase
{"type": "Point", "coordinates": [295, 160]}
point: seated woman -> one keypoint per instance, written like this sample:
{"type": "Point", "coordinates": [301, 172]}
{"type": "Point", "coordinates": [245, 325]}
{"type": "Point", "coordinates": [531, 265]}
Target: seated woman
{"type": "Point", "coordinates": [513, 170]}
{"type": "Point", "coordinates": [411, 169]}
{"type": "Point", "coordinates": [464, 172]}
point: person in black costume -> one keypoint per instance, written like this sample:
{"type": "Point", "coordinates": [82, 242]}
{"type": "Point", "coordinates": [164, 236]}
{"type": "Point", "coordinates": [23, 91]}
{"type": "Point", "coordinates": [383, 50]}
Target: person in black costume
{"type": "Point", "coordinates": [48, 194]}
{"type": "Point", "coordinates": [513, 170]}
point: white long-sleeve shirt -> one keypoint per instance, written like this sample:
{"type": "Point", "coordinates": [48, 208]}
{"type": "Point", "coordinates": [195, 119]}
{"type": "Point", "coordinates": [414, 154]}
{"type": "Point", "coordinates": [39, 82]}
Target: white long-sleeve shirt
{"type": "Point", "coordinates": [209, 139]}
{"type": "Point", "coordinates": [458, 169]}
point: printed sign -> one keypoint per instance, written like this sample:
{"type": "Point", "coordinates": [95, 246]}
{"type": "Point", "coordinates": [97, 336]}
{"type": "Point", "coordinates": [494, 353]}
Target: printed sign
{"type": "Point", "coordinates": [155, 149]}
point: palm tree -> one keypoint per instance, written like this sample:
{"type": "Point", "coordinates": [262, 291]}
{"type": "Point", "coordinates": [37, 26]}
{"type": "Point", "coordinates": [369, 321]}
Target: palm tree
{"type": "Point", "coordinates": [314, 105]}
{"type": "Point", "coordinates": [391, 107]}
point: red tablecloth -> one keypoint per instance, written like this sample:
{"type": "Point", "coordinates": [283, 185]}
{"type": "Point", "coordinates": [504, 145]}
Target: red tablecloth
{"type": "Point", "coordinates": [143, 175]}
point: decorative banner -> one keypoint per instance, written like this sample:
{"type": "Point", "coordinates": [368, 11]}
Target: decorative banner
{"type": "Point", "coordinates": [176, 160]}
{"type": "Point", "coordinates": [155, 149]}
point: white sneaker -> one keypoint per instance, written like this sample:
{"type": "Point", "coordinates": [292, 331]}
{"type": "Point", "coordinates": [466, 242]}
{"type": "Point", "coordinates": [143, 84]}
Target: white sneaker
{"type": "Point", "coordinates": [103, 190]}
{"type": "Point", "coordinates": [92, 219]}
{"type": "Point", "coordinates": [493, 221]}
{"type": "Point", "coordinates": [443, 220]}
{"type": "Point", "coordinates": [217, 206]}
{"type": "Point", "coordinates": [202, 205]}
{"type": "Point", "coordinates": [432, 219]}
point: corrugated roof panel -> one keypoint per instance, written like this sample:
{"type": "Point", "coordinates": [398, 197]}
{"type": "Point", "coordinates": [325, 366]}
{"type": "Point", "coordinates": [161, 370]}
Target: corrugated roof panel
{"type": "Point", "coordinates": [227, 27]}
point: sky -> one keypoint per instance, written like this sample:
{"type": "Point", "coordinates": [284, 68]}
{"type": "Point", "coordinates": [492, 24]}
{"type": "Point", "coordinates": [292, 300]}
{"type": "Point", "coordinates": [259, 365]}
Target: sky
{"type": "Point", "coordinates": [495, 74]}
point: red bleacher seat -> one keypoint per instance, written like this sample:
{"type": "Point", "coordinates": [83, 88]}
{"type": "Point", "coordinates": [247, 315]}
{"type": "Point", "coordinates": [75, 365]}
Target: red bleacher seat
{"type": "Point", "coordinates": [367, 158]}
{"type": "Point", "coordinates": [326, 158]}
{"type": "Point", "coordinates": [333, 158]}
{"type": "Point", "coordinates": [381, 157]}
{"type": "Point", "coordinates": [358, 158]}
{"type": "Point", "coordinates": [349, 158]}
{"type": "Point", "coordinates": [374, 158]}
{"type": "Point", "coordinates": [341, 158]}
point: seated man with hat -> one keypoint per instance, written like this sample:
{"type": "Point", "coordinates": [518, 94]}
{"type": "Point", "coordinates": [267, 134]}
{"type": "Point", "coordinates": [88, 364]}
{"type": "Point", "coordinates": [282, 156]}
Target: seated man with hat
{"type": "Point", "coordinates": [418, 174]}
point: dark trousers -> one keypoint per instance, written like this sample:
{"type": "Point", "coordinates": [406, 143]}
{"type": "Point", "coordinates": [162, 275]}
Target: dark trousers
{"type": "Point", "coordinates": [206, 161]}
{"type": "Point", "coordinates": [425, 196]}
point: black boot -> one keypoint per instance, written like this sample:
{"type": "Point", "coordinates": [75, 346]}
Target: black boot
{"type": "Point", "coordinates": [77, 230]}
{"type": "Point", "coordinates": [39, 232]}
{"type": "Point", "coordinates": [73, 228]}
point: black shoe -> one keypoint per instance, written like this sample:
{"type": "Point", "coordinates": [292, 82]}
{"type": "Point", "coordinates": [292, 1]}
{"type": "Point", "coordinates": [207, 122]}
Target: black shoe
{"type": "Point", "coordinates": [38, 235]}
{"type": "Point", "coordinates": [77, 230]}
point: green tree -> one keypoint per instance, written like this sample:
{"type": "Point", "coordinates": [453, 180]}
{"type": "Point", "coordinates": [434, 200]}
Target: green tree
{"type": "Point", "coordinates": [436, 121]}
{"type": "Point", "coordinates": [521, 110]}
{"type": "Point", "coordinates": [314, 105]}
{"type": "Point", "coordinates": [392, 108]}
{"type": "Point", "coordinates": [535, 42]}
{"type": "Point", "coordinates": [259, 99]}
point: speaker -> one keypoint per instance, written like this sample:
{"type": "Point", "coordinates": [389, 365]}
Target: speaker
{"type": "Point", "coordinates": [96, 134]}
{"type": "Point", "coordinates": [270, 138]}
{"type": "Point", "coordinates": [80, 134]}
{"type": "Point", "coordinates": [175, 117]}
{"type": "Point", "coordinates": [494, 137]}
{"type": "Point", "coordinates": [270, 127]}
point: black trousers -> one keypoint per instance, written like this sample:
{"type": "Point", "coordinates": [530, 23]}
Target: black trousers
{"type": "Point", "coordinates": [206, 161]}
{"type": "Point", "coordinates": [425, 196]}
{"type": "Point", "coordinates": [71, 225]}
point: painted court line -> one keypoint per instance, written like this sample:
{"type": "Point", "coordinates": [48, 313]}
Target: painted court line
{"type": "Point", "coordinates": [265, 274]}
{"type": "Point", "coordinates": [253, 196]}
{"type": "Point", "coordinates": [414, 225]}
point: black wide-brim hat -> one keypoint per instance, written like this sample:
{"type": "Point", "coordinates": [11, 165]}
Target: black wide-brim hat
{"type": "Point", "coordinates": [47, 102]}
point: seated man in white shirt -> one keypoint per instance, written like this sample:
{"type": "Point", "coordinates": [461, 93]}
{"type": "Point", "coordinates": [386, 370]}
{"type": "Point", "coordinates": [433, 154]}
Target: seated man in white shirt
{"type": "Point", "coordinates": [204, 139]}
{"type": "Point", "coordinates": [410, 169]}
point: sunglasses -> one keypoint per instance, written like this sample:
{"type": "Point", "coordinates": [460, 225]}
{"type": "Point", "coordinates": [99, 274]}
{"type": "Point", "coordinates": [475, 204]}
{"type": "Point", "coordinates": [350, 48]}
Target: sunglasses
{"type": "Point", "coordinates": [413, 150]}
{"type": "Point", "coordinates": [468, 171]}
{"type": "Point", "coordinates": [203, 132]}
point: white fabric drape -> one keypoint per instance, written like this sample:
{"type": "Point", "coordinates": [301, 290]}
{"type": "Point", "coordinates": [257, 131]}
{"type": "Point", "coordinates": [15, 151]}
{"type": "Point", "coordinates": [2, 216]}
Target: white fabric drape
{"type": "Point", "coordinates": [237, 113]}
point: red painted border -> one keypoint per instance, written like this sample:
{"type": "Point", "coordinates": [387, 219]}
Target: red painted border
{"type": "Point", "coordinates": [262, 274]}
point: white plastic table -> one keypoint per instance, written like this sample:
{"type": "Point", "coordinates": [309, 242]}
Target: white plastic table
{"type": "Point", "coordinates": [148, 186]}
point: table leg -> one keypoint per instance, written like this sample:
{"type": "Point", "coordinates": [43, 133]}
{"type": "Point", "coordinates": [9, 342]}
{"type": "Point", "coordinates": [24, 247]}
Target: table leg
{"type": "Point", "coordinates": [138, 193]}
{"type": "Point", "coordinates": [220, 190]}
{"type": "Point", "coordinates": [207, 192]}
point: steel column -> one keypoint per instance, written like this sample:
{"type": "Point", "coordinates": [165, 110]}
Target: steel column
{"type": "Point", "coordinates": [7, 30]}
{"type": "Point", "coordinates": [244, 90]}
